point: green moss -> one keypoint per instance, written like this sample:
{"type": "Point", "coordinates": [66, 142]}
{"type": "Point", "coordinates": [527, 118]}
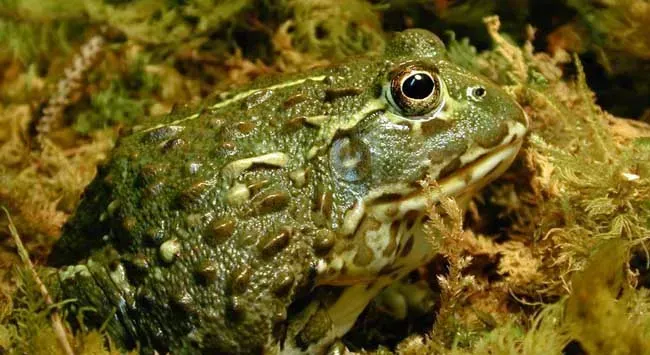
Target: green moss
{"type": "Point", "coordinates": [335, 28]}
{"type": "Point", "coordinates": [596, 316]}
{"type": "Point", "coordinates": [125, 100]}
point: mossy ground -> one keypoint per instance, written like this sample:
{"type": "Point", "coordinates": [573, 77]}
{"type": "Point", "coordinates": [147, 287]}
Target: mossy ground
{"type": "Point", "coordinates": [551, 258]}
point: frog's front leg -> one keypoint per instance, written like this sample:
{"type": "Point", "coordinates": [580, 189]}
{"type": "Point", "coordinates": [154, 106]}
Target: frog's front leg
{"type": "Point", "coordinates": [328, 317]}
{"type": "Point", "coordinates": [97, 301]}
{"type": "Point", "coordinates": [405, 298]}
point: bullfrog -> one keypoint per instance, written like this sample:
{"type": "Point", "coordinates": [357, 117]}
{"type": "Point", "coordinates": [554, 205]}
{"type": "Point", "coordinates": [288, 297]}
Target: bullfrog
{"type": "Point", "coordinates": [267, 219]}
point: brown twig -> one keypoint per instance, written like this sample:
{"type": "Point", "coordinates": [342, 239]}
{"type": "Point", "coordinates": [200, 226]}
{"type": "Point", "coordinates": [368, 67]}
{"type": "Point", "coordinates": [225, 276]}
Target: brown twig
{"type": "Point", "coordinates": [69, 86]}
{"type": "Point", "coordinates": [57, 324]}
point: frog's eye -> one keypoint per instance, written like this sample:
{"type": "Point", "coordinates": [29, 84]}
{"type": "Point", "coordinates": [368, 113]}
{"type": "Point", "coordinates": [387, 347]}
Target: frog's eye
{"type": "Point", "coordinates": [416, 92]}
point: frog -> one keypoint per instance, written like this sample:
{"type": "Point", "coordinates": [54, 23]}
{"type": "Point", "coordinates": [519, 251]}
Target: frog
{"type": "Point", "coordinates": [266, 219]}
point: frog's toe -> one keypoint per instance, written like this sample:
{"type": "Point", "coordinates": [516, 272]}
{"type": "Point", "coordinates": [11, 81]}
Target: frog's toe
{"type": "Point", "coordinates": [86, 288]}
{"type": "Point", "coordinates": [404, 298]}
{"type": "Point", "coordinates": [338, 348]}
{"type": "Point", "coordinates": [328, 318]}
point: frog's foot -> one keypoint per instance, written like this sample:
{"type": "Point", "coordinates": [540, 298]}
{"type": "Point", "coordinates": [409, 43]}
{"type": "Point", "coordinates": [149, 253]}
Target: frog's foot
{"type": "Point", "coordinates": [98, 297]}
{"type": "Point", "coordinates": [403, 298]}
{"type": "Point", "coordinates": [326, 319]}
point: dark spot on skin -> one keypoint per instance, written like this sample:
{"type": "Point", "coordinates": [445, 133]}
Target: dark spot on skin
{"type": "Point", "coordinates": [149, 173]}
{"type": "Point", "coordinates": [277, 242]}
{"type": "Point", "coordinates": [324, 241]}
{"type": "Point", "coordinates": [256, 185]}
{"type": "Point", "coordinates": [193, 194]}
{"type": "Point", "coordinates": [392, 243]}
{"type": "Point", "coordinates": [370, 285]}
{"type": "Point", "coordinates": [155, 236]}
{"type": "Point", "coordinates": [220, 230]}
{"type": "Point", "coordinates": [335, 93]}
{"type": "Point", "coordinates": [207, 272]}
{"type": "Point", "coordinates": [388, 197]}
{"type": "Point", "coordinates": [294, 100]}
{"type": "Point", "coordinates": [283, 283]}
{"type": "Point", "coordinates": [184, 301]}
{"type": "Point", "coordinates": [128, 223]}
{"type": "Point", "coordinates": [173, 144]}
{"type": "Point", "coordinates": [363, 256]}
{"type": "Point", "coordinates": [408, 246]}
{"type": "Point", "coordinates": [256, 98]}
{"type": "Point", "coordinates": [270, 202]}
{"type": "Point", "coordinates": [240, 279]}
{"type": "Point", "coordinates": [246, 127]}
{"type": "Point", "coordinates": [377, 90]}
{"type": "Point", "coordinates": [146, 299]}
{"type": "Point", "coordinates": [295, 123]}
{"type": "Point", "coordinates": [357, 229]}
{"type": "Point", "coordinates": [492, 138]}
{"type": "Point", "coordinates": [387, 269]}
{"type": "Point", "coordinates": [410, 217]}
{"type": "Point", "coordinates": [434, 127]}
{"type": "Point", "coordinates": [451, 167]}
{"type": "Point", "coordinates": [160, 134]}
{"type": "Point", "coordinates": [236, 307]}
{"type": "Point", "coordinates": [323, 200]}
{"type": "Point", "coordinates": [139, 262]}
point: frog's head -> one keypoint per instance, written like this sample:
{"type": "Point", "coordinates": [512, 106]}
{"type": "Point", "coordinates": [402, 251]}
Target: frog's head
{"type": "Point", "coordinates": [437, 120]}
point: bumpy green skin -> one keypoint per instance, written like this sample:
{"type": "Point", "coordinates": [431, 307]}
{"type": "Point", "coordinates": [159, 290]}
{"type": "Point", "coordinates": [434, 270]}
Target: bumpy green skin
{"type": "Point", "coordinates": [178, 265]}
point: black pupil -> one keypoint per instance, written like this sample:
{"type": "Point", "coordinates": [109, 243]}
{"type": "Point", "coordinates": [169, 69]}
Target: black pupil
{"type": "Point", "coordinates": [418, 86]}
{"type": "Point", "coordinates": [479, 92]}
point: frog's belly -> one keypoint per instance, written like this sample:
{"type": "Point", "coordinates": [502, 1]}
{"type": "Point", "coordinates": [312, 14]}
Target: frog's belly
{"type": "Point", "coordinates": [354, 299]}
{"type": "Point", "coordinates": [412, 249]}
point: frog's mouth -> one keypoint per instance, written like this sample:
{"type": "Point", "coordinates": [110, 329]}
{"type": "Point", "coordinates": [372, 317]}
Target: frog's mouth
{"type": "Point", "coordinates": [462, 184]}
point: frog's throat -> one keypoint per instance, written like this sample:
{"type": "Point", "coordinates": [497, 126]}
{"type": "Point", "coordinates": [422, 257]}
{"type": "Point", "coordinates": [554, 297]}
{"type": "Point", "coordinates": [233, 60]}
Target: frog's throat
{"type": "Point", "coordinates": [383, 228]}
